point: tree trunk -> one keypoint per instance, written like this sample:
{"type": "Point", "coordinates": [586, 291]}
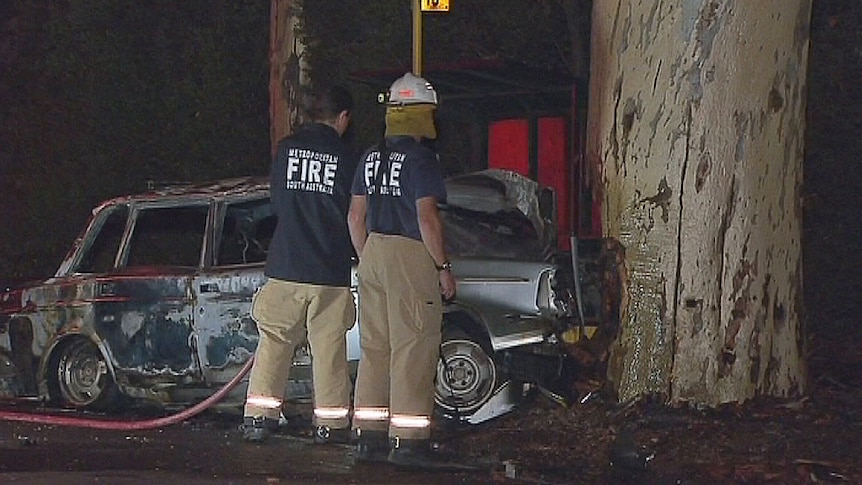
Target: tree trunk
{"type": "Point", "coordinates": [286, 74]}
{"type": "Point", "coordinates": [577, 14]}
{"type": "Point", "coordinates": [696, 120]}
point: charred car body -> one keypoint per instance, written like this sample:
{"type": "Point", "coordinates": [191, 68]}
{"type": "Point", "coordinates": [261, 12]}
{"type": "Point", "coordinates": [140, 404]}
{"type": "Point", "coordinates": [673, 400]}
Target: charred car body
{"type": "Point", "coordinates": [152, 301]}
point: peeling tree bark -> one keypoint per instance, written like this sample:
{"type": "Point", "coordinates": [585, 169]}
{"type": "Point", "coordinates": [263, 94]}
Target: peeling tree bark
{"type": "Point", "coordinates": [696, 123]}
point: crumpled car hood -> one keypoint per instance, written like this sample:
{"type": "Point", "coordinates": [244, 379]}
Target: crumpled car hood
{"type": "Point", "coordinates": [495, 214]}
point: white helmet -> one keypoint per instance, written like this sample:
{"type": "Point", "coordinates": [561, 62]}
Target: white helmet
{"type": "Point", "coordinates": [411, 89]}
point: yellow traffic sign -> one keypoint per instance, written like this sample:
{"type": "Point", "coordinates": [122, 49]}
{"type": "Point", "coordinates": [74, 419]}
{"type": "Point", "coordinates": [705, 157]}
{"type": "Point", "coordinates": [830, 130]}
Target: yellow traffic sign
{"type": "Point", "coordinates": [435, 5]}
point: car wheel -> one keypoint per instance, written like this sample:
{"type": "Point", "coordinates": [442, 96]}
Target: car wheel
{"type": "Point", "coordinates": [466, 375]}
{"type": "Point", "coordinates": [83, 377]}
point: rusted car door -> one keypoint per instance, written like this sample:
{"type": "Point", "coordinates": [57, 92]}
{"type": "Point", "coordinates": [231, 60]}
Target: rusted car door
{"type": "Point", "coordinates": [152, 325]}
{"type": "Point", "coordinates": [226, 335]}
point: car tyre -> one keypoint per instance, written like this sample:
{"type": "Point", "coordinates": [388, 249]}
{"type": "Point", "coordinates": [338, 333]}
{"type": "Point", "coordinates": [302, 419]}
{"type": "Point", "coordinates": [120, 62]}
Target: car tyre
{"type": "Point", "coordinates": [83, 377]}
{"type": "Point", "coordinates": [466, 375]}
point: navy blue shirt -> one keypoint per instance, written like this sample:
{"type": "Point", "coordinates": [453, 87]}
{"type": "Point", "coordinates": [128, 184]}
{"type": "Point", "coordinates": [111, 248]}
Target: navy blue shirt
{"type": "Point", "coordinates": [411, 174]}
{"type": "Point", "coordinates": [310, 187]}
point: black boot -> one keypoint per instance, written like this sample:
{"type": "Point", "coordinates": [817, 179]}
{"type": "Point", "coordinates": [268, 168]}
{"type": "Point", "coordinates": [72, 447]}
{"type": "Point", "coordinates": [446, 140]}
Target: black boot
{"type": "Point", "coordinates": [418, 455]}
{"type": "Point", "coordinates": [257, 428]}
{"type": "Point", "coordinates": [371, 446]}
{"type": "Point", "coordinates": [325, 435]}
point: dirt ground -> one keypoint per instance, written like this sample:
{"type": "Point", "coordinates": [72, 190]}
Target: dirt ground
{"type": "Point", "coordinates": [815, 439]}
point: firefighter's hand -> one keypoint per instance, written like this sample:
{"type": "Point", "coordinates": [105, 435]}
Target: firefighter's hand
{"type": "Point", "coordinates": [447, 284]}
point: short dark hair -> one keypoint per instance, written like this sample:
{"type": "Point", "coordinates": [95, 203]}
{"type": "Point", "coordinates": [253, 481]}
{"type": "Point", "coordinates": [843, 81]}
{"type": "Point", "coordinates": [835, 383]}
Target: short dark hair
{"type": "Point", "coordinates": [325, 103]}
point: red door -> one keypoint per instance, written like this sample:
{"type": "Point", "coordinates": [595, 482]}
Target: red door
{"type": "Point", "coordinates": [509, 147]}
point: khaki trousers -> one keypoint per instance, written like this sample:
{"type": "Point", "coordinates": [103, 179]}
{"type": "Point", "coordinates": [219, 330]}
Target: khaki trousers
{"type": "Point", "coordinates": [285, 313]}
{"type": "Point", "coordinates": [400, 315]}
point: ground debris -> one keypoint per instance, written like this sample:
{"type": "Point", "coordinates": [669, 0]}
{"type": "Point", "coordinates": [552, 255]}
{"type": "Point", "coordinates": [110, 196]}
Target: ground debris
{"type": "Point", "coordinates": [795, 405]}
{"type": "Point", "coordinates": [821, 471]}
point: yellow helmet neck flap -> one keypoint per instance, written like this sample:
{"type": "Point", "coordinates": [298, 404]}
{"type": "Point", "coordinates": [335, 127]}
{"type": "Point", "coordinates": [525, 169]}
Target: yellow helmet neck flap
{"type": "Point", "coordinates": [411, 120]}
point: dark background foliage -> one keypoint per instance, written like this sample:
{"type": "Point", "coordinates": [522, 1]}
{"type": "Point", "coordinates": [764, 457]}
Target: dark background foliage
{"type": "Point", "coordinates": [97, 97]}
{"type": "Point", "coordinates": [832, 226]}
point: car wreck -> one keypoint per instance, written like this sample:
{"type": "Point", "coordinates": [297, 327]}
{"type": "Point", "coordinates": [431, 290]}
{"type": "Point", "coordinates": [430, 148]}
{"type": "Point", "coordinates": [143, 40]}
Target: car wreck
{"type": "Point", "coordinates": [152, 301]}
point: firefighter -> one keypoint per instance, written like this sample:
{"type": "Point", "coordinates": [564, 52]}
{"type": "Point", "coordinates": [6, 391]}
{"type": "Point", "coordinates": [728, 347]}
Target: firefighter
{"type": "Point", "coordinates": [403, 271]}
{"type": "Point", "coordinates": [307, 292]}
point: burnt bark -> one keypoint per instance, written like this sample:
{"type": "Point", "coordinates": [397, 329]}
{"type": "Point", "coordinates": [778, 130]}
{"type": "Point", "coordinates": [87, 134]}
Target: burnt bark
{"type": "Point", "coordinates": [696, 124]}
{"type": "Point", "coordinates": [285, 70]}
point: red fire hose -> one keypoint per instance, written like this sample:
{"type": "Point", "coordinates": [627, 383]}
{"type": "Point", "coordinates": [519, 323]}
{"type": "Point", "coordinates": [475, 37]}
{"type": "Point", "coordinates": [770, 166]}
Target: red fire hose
{"type": "Point", "coordinates": [130, 425]}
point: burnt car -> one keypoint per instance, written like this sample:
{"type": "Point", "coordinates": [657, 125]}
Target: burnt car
{"type": "Point", "coordinates": [152, 300]}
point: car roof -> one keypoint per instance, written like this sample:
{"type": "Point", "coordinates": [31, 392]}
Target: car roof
{"type": "Point", "coordinates": [214, 189]}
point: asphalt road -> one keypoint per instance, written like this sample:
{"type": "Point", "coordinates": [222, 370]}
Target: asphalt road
{"type": "Point", "coordinates": [207, 449]}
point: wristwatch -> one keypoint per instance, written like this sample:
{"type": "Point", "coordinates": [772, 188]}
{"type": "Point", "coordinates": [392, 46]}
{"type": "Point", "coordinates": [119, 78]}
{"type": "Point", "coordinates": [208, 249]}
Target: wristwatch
{"type": "Point", "coordinates": [446, 266]}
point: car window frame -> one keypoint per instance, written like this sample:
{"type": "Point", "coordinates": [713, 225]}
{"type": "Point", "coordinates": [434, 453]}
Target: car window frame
{"type": "Point", "coordinates": [219, 214]}
{"type": "Point", "coordinates": [92, 230]}
{"type": "Point", "coordinates": [135, 209]}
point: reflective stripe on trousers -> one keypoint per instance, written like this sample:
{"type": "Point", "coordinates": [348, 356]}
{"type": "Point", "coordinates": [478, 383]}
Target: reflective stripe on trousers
{"type": "Point", "coordinates": [265, 402]}
{"type": "Point", "coordinates": [408, 421]}
{"type": "Point", "coordinates": [372, 414]}
{"type": "Point", "coordinates": [378, 418]}
{"type": "Point", "coordinates": [331, 413]}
